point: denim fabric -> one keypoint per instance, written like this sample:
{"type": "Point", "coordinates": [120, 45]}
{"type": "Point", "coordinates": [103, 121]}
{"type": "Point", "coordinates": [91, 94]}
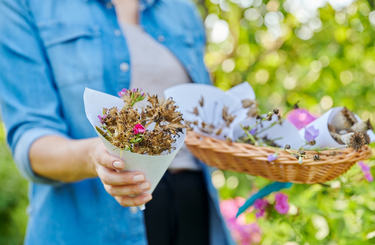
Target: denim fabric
{"type": "Point", "coordinates": [50, 50]}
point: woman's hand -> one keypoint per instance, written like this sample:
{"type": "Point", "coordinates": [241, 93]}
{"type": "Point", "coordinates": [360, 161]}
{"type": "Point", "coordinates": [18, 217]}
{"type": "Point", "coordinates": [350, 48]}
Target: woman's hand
{"type": "Point", "coordinates": [125, 187]}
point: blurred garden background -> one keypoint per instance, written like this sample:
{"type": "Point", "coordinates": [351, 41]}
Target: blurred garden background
{"type": "Point", "coordinates": [320, 53]}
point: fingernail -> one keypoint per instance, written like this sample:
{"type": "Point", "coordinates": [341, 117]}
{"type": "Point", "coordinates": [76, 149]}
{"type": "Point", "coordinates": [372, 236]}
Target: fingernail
{"type": "Point", "coordinates": [117, 164]}
{"type": "Point", "coordinates": [147, 198]}
{"type": "Point", "coordinates": [144, 186]}
{"type": "Point", "coordinates": [139, 178]}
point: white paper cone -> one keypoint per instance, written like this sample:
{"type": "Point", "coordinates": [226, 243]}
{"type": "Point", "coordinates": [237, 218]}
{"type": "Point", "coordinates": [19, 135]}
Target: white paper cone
{"type": "Point", "coordinates": [188, 95]}
{"type": "Point", "coordinates": [287, 131]}
{"type": "Point", "coordinates": [153, 167]}
{"type": "Point", "coordinates": [324, 138]}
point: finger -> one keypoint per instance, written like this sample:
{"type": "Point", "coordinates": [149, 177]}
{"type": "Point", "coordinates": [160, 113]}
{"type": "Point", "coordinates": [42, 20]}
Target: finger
{"type": "Point", "coordinates": [107, 160]}
{"type": "Point", "coordinates": [128, 201]}
{"type": "Point", "coordinates": [126, 190]}
{"type": "Point", "coordinates": [111, 177]}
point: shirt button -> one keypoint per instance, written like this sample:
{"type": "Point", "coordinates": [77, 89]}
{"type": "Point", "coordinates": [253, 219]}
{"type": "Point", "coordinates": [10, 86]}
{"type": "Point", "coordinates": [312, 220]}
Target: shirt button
{"type": "Point", "coordinates": [133, 210]}
{"type": "Point", "coordinates": [161, 38]}
{"type": "Point", "coordinates": [117, 32]}
{"type": "Point", "coordinates": [124, 67]}
{"type": "Point", "coordinates": [109, 5]}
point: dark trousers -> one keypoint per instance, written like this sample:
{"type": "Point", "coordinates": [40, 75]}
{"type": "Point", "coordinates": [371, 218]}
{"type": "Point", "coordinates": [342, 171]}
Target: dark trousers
{"type": "Point", "coordinates": [178, 212]}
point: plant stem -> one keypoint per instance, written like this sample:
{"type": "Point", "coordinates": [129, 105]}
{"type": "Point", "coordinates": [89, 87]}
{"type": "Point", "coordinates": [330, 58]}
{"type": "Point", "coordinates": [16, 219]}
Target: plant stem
{"type": "Point", "coordinates": [251, 137]}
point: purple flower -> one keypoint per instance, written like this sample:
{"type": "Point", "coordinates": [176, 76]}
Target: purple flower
{"type": "Point", "coordinates": [122, 93]}
{"type": "Point", "coordinates": [253, 131]}
{"type": "Point", "coordinates": [260, 205]}
{"type": "Point", "coordinates": [369, 176]}
{"type": "Point", "coordinates": [281, 205]}
{"type": "Point", "coordinates": [300, 118]}
{"type": "Point", "coordinates": [311, 133]}
{"type": "Point", "coordinates": [366, 171]}
{"type": "Point", "coordinates": [272, 157]}
{"type": "Point", "coordinates": [101, 118]}
{"type": "Point", "coordinates": [364, 166]}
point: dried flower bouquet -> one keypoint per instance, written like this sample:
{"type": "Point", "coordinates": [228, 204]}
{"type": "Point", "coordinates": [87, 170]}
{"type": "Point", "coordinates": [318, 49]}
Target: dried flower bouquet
{"type": "Point", "coordinates": [151, 129]}
{"type": "Point", "coordinates": [143, 130]}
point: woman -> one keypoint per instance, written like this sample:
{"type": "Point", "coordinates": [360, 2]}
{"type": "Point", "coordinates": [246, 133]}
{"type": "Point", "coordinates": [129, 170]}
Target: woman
{"type": "Point", "coordinates": [49, 52]}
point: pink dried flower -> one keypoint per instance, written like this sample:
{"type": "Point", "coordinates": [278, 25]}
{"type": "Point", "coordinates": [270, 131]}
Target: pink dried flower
{"type": "Point", "coordinates": [281, 205]}
{"type": "Point", "coordinates": [122, 93]}
{"type": "Point", "coordinates": [139, 129]}
{"type": "Point", "coordinates": [300, 118]}
{"type": "Point", "coordinates": [101, 118]}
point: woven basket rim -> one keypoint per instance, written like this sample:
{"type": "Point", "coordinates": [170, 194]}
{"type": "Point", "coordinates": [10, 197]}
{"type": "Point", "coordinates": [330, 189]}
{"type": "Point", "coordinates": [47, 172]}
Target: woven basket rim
{"type": "Point", "coordinates": [247, 150]}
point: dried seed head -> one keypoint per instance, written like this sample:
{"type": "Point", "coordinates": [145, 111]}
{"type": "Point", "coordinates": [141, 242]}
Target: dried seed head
{"type": "Point", "coordinates": [248, 103]}
{"type": "Point", "coordinates": [201, 102]}
{"type": "Point", "coordinates": [344, 119]}
{"type": "Point", "coordinates": [333, 153]}
{"type": "Point", "coordinates": [253, 111]}
{"type": "Point", "coordinates": [367, 138]}
{"type": "Point", "coordinates": [195, 111]}
{"type": "Point", "coordinates": [301, 152]}
{"type": "Point", "coordinates": [357, 140]}
{"type": "Point", "coordinates": [362, 126]}
{"type": "Point", "coordinates": [296, 156]}
{"type": "Point", "coordinates": [313, 142]}
{"type": "Point", "coordinates": [287, 146]}
{"type": "Point", "coordinates": [316, 157]}
{"type": "Point", "coordinates": [275, 111]}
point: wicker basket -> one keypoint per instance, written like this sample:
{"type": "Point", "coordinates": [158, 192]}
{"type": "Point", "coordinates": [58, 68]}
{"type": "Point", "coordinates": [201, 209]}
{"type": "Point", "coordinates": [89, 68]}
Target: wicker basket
{"type": "Point", "coordinates": [249, 159]}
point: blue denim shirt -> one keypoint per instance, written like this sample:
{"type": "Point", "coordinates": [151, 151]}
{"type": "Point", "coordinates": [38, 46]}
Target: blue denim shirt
{"type": "Point", "coordinates": [50, 50]}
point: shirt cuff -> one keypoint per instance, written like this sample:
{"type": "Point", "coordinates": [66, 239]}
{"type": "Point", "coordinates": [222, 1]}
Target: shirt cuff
{"type": "Point", "coordinates": [21, 154]}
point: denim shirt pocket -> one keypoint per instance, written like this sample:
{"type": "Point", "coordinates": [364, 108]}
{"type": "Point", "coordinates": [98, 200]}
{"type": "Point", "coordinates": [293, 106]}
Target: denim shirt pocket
{"type": "Point", "coordinates": [74, 51]}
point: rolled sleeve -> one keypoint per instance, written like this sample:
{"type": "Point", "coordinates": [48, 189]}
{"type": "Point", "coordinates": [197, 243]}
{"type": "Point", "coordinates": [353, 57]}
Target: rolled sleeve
{"type": "Point", "coordinates": [21, 154]}
{"type": "Point", "coordinates": [29, 102]}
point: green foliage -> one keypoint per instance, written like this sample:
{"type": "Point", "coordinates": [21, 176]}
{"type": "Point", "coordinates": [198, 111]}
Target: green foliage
{"type": "Point", "coordinates": [332, 66]}
{"type": "Point", "coordinates": [325, 62]}
{"type": "Point", "coordinates": [13, 198]}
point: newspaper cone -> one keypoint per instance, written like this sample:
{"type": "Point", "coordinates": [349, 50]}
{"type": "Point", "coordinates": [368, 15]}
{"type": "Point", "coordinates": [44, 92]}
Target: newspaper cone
{"type": "Point", "coordinates": [153, 167]}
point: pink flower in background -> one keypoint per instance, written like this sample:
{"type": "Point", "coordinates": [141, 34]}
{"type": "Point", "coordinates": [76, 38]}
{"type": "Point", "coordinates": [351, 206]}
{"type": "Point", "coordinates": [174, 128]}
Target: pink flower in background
{"type": "Point", "coordinates": [364, 166]}
{"type": "Point", "coordinates": [369, 177]}
{"type": "Point", "coordinates": [243, 233]}
{"type": "Point", "coordinates": [366, 171]}
{"type": "Point", "coordinates": [281, 203]}
{"type": "Point", "coordinates": [260, 205]}
{"type": "Point", "coordinates": [138, 129]}
{"type": "Point", "coordinates": [300, 117]}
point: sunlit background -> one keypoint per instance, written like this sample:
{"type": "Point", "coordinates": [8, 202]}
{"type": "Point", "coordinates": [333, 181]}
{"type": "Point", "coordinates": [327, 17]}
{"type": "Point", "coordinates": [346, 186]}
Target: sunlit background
{"type": "Point", "coordinates": [320, 53]}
